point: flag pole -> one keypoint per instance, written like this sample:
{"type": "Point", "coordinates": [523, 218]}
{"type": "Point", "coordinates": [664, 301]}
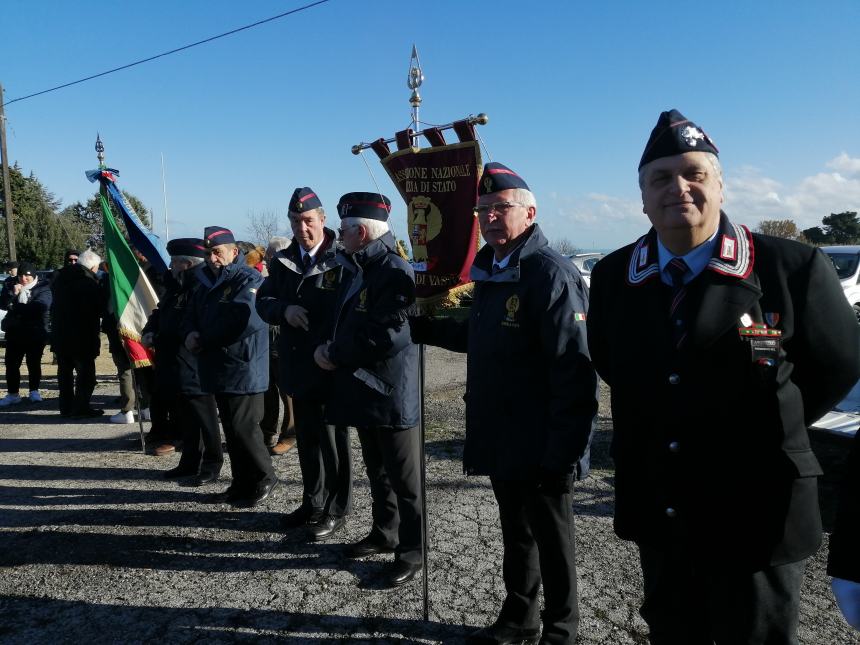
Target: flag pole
{"type": "Point", "coordinates": [100, 153]}
{"type": "Point", "coordinates": [413, 82]}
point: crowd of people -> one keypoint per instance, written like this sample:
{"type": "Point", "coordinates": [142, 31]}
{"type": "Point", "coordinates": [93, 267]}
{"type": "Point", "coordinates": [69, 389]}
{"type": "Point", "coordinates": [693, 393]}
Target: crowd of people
{"type": "Point", "coordinates": [720, 347]}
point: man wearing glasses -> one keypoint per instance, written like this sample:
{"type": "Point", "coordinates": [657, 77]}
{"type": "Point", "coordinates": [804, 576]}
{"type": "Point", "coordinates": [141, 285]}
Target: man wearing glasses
{"type": "Point", "coordinates": [531, 399]}
{"type": "Point", "coordinates": [375, 389]}
{"type": "Point", "coordinates": [300, 295]}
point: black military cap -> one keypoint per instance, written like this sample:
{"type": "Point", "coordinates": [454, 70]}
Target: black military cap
{"type": "Point", "coordinates": [71, 252]}
{"type": "Point", "coordinates": [11, 264]}
{"type": "Point", "coordinates": [217, 235]}
{"type": "Point", "coordinates": [190, 246]}
{"type": "Point", "coordinates": [498, 177]}
{"type": "Point", "coordinates": [366, 205]}
{"type": "Point", "coordinates": [674, 134]}
{"type": "Point", "coordinates": [303, 200]}
{"type": "Point", "coordinates": [25, 268]}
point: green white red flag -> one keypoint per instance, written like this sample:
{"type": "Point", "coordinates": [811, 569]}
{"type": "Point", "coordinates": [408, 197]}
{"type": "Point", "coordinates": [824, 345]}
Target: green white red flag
{"type": "Point", "coordinates": [132, 296]}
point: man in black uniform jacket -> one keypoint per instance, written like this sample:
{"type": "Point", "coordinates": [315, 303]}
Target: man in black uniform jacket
{"type": "Point", "coordinates": [375, 369]}
{"type": "Point", "coordinates": [720, 346]}
{"type": "Point", "coordinates": [300, 295]}
{"type": "Point", "coordinates": [232, 347]}
{"type": "Point", "coordinates": [176, 368]}
{"type": "Point", "coordinates": [531, 399]}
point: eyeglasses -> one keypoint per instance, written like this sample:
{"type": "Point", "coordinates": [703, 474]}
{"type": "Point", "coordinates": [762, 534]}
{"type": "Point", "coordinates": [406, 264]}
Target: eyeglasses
{"type": "Point", "coordinates": [500, 208]}
{"type": "Point", "coordinates": [341, 231]}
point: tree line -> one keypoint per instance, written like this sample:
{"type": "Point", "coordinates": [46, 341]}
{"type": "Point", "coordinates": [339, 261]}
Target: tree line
{"type": "Point", "coordinates": [43, 231]}
{"type": "Point", "coordinates": [836, 228]}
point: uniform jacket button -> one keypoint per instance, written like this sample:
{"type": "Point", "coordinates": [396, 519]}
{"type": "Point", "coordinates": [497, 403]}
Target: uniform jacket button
{"type": "Point", "coordinates": [671, 512]}
{"type": "Point", "coordinates": [674, 379]}
{"type": "Point", "coordinates": [674, 446]}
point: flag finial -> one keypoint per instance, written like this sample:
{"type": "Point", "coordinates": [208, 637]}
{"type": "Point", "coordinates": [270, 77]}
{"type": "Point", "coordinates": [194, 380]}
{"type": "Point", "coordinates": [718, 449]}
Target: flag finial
{"type": "Point", "coordinates": [100, 151]}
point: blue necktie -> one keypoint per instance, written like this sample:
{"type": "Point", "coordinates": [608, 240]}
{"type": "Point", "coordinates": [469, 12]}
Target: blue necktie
{"type": "Point", "coordinates": [677, 269]}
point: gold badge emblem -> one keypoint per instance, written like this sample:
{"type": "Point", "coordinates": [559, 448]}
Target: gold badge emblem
{"type": "Point", "coordinates": [488, 184]}
{"type": "Point", "coordinates": [512, 306]}
{"type": "Point", "coordinates": [362, 301]}
{"type": "Point", "coordinates": [225, 295]}
{"type": "Point", "coordinates": [329, 280]}
{"type": "Point", "coordinates": [425, 223]}
{"type": "Point", "coordinates": [299, 204]}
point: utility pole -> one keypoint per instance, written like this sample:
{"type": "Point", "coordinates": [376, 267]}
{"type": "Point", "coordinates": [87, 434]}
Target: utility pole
{"type": "Point", "coordinates": [7, 187]}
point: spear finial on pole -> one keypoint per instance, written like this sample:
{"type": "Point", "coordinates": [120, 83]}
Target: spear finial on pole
{"type": "Point", "coordinates": [100, 151]}
{"type": "Point", "coordinates": [413, 82]}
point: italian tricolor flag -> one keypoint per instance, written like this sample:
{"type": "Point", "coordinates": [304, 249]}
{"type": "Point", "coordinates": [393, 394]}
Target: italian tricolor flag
{"type": "Point", "coordinates": [132, 296]}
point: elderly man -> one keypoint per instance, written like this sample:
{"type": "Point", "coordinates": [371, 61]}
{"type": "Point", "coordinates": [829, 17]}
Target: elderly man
{"type": "Point", "coordinates": [281, 440]}
{"type": "Point", "coordinates": [176, 368]}
{"type": "Point", "coordinates": [300, 295]}
{"type": "Point", "coordinates": [531, 398]}
{"type": "Point", "coordinates": [720, 346]}
{"type": "Point", "coordinates": [76, 309]}
{"type": "Point", "coordinates": [376, 379]}
{"type": "Point", "coordinates": [232, 347]}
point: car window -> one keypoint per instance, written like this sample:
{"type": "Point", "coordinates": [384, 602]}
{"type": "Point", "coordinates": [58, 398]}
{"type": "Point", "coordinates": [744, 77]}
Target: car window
{"type": "Point", "coordinates": [844, 263]}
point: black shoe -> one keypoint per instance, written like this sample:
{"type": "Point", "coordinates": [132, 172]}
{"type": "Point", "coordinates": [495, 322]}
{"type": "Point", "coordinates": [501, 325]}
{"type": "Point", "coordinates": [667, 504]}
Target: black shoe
{"type": "Point", "coordinates": [262, 492]}
{"type": "Point", "coordinates": [232, 494]}
{"type": "Point", "coordinates": [302, 516]}
{"type": "Point", "coordinates": [402, 572]}
{"type": "Point", "coordinates": [88, 413]}
{"type": "Point", "coordinates": [503, 635]}
{"type": "Point", "coordinates": [367, 546]}
{"type": "Point", "coordinates": [176, 473]}
{"type": "Point", "coordinates": [204, 478]}
{"type": "Point", "coordinates": [327, 527]}
{"type": "Point", "coordinates": [317, 516]}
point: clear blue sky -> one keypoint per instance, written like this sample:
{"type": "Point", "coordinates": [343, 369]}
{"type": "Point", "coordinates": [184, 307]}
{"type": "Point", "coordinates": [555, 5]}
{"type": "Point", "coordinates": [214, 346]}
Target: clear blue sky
{"type": "Point", "coordinates": [572, 90]}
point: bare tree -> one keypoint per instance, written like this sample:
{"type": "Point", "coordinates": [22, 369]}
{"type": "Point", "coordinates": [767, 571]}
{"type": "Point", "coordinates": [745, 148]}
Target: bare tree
{"type": "Point", "coordinates": [264, 226]}
{"type": "Point", "coordinates": [784, 228]}
{"type": "Point", "coordinates": [564, 246]}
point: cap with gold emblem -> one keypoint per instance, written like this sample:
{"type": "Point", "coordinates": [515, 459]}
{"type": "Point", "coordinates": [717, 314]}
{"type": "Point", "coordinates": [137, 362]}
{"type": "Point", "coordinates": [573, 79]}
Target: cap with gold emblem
{"type": "Point", "coordinates": [304, 200]}
{"type": "Point", "coordinates": [675, 134]}
{"type": "Point", "coordinates": [217, 235]}
{"type": "Point", "coordinates": [498, 177]}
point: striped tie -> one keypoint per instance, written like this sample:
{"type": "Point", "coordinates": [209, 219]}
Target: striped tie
{"type": "Point", "coordinates": [677, 269]}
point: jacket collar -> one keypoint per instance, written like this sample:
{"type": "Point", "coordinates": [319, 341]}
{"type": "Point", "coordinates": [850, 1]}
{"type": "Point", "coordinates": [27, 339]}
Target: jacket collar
{"type": "Point", "coordinates": [375, 250]}
{"type": "Point", "coordinates": [482, 267]}
{"type": "Point", "coordinates": [205, 277]}
{"type": "Point", "coordinates": [291, 257]}
{"type": "Point", "coordinates": [734, 254]}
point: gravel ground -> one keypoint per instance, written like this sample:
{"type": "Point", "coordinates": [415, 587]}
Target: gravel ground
{"type": "Point", "coordinates": [96, 546]}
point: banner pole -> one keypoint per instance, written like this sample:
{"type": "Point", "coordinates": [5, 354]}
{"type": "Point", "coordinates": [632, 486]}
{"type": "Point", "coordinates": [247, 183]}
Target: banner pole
{"type": "Point", "coordinates": [424, 522]}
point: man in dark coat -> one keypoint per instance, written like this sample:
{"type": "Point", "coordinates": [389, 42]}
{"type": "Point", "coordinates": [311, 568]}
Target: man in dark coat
{"type": "Point", "coordinates": [531, 399]}
{"type": "Point", "coordinates": [76, 309]}
{"type": "Point", "coordinates": [843, 562]}
{"type": "Point", "coordinates": [300, 295]}
{"type": "Point", "coordinates": [176, 368]}
{"type": "Point", "coordinates": [720, 346]}
{"type": "Point", "coordinates": [28, 301]}
{"type": "Point", "coordinates": [232, 347]}
{"type": "Point", "coordinates": [376, 379]}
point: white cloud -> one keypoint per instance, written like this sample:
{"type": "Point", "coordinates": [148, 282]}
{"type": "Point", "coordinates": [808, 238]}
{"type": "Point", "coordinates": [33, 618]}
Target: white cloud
{"type": "Point", "coordinates": [752, 197]}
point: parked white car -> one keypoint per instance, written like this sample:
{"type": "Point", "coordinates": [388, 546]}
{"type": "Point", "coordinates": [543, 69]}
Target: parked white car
{"type": "Point", "coordinates": [585, 262]}
{"type": "Point", "coordinates": [846, 259]}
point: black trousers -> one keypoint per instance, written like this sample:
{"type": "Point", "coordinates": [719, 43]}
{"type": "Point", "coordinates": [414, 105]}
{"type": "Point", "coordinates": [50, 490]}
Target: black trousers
{"type": "Point", "coordinates": [325, 459]}
{"type": "Point", "coordinates": [76, 378]}
{"type": "Point", "coordinates": [16, 349]}
{"type": "Point", "coordinates": [272, 399]}
{"type": "Point", "coordinates": [689, 602]}
{"type": "Point", "coordinates": [201, 438]}
{"type": "Point", "coordinates": [249, 457]}
{"type": "Point", "coordinates": [393, 463]}
{"type": "Point", "coordinates": [538, 538]}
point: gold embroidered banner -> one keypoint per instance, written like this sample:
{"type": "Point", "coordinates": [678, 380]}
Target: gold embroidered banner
{"type": "Point", "coordinates": [440, 188]}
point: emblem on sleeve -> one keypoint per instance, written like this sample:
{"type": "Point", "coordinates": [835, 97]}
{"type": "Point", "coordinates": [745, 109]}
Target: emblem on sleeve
{"type": "Point", "coordinates": [362, 301]}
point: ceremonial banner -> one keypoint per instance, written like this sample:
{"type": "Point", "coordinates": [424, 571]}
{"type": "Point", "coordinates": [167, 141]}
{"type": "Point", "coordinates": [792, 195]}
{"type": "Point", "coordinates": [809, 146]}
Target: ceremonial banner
{"type": "Point", "coordinates": [440, 188]}
{"type": "Point", "coordinates": [132, 296]}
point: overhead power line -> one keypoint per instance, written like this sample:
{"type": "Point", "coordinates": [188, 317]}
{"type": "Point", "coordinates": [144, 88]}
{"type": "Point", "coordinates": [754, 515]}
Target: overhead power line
{"type": "Point", "coordinates": [168, 53]}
